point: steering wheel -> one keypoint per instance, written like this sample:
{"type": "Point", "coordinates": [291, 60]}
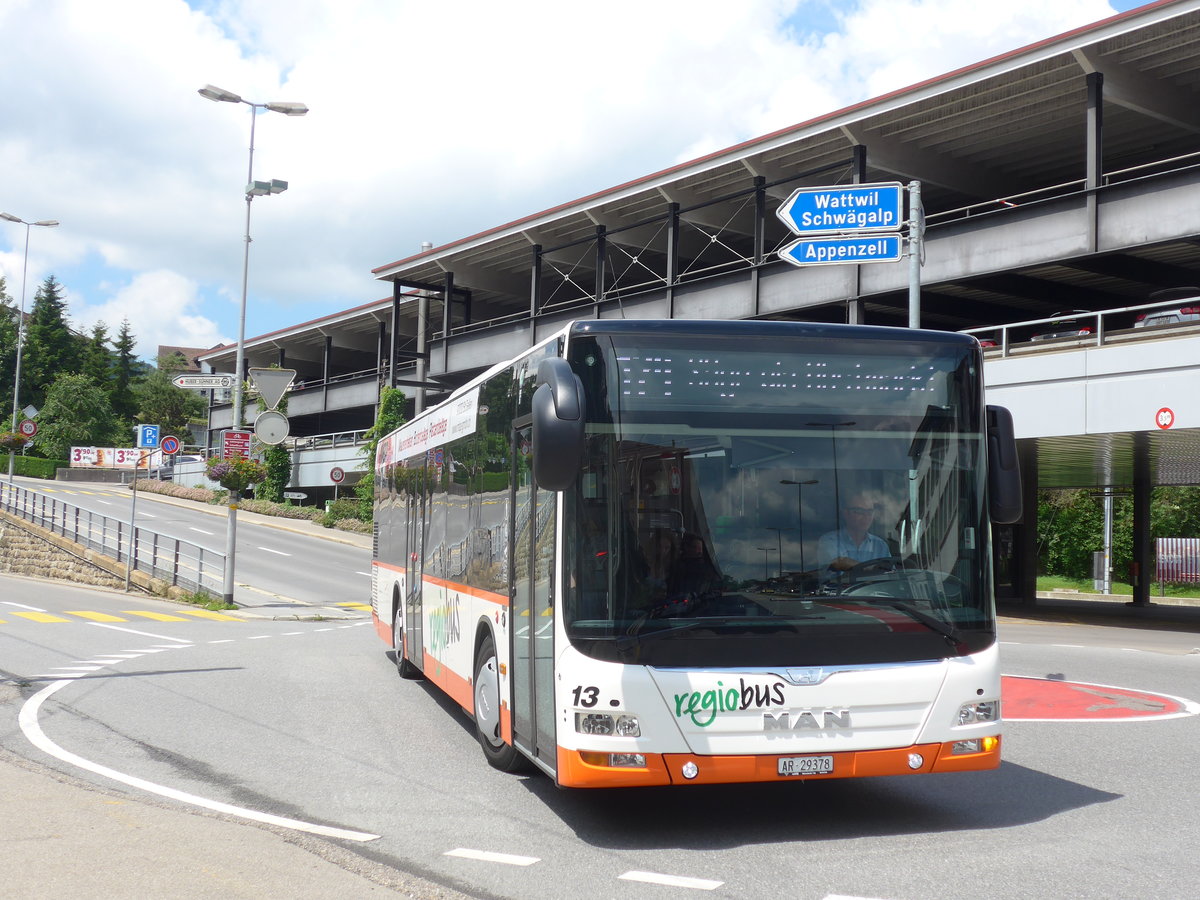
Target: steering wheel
{"type": "Point", "coordinates": [879, 566]}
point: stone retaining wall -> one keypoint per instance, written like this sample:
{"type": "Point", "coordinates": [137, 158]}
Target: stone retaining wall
{"type": "Point", "coordinates": [28, 549]}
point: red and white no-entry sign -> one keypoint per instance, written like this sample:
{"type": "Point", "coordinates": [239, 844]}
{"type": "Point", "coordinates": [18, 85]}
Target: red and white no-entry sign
{"type": "Point", "coordinates": [1164, 418]}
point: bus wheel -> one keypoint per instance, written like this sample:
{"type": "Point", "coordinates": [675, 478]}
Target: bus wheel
{"type": "Point", "coordinates": [487, 711]}
{"type": "Point", "coordinates": [403, 666]}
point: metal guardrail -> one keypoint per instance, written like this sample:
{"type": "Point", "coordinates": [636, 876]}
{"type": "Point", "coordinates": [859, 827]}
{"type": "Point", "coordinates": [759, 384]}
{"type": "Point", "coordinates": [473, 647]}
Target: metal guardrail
{"type": "Point", "coordinates": [176, 562]}
{"type": "Point", "coordinates": [1097, 323]}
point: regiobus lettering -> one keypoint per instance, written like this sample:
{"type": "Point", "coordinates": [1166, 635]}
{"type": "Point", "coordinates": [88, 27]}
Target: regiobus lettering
{"type": "Point", "coordinates": [694, 552]}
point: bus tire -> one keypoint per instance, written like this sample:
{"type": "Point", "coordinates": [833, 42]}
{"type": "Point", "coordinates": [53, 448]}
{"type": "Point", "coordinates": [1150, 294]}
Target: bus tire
{"type": "Point", "coordinates": [403, 665]}
{"type": "Point", "coordinates": [499, 755]}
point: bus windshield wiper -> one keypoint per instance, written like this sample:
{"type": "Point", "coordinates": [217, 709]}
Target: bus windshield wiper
{"type": "Point", "coordinates": [933, 623]}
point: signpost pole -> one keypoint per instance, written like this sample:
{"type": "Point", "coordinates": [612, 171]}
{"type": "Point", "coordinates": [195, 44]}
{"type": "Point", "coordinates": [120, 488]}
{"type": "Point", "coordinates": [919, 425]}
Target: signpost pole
{"type": "Point", "coordinates": [916, 249]}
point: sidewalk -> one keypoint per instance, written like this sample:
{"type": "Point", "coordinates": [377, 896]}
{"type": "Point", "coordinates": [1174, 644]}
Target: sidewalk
{"type": "Point", "coordinates": [1096, 610]}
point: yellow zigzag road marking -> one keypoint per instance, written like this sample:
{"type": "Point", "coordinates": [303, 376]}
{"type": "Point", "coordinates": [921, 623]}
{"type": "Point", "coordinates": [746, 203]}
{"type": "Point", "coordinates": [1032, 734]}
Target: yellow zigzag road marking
{"type": "Point", "coordinates": [156, 616]}
{"type": "Point", "coordinates": [94, 616]}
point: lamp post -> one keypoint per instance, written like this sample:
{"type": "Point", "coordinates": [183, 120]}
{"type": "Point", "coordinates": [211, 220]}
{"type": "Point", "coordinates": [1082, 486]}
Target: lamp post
{"type": "Point", "coordinates": [800, 485]}
{"type": "Point", "coordinates": [253, 189]}
{"type": "Point", "coordinates": [45, 223]}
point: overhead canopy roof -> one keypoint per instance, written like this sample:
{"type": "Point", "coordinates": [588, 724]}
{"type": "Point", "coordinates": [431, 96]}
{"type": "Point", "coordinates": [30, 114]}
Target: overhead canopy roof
{"type": "Point", "coordinates": [977, 139]}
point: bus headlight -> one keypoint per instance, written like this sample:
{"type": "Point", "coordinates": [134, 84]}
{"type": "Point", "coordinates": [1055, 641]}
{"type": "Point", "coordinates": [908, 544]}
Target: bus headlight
{"type": "Point", "coordinates": [602, 723]}
{"type": "Point", "coordinates": [979, 711]}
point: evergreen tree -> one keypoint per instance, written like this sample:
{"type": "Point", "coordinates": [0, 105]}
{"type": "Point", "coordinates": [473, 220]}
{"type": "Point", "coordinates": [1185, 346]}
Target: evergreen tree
{"type": "Point", "coordinates": [51, 350]}
{"type": "Point", "coordinates": [8, 352]}
{"type": "Point", "coordinates": [98, 358]}
{"type": "Point", "coordinates": [124, 403]}
{"type": "Point", "coordinates": [76, 413]}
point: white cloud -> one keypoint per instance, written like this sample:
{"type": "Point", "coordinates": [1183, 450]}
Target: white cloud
{"type": "Point", "coordinates": [429, 121]}
{"type": "Point", "coordinates": [161, 307]}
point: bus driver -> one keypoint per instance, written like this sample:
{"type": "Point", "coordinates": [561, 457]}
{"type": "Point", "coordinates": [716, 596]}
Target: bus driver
{"type": "Point", "coordinates": [853, 543]}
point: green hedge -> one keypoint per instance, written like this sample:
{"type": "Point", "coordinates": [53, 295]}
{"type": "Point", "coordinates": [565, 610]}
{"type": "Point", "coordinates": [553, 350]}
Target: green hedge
{"type": "Point", "coordinates": [35, 467]}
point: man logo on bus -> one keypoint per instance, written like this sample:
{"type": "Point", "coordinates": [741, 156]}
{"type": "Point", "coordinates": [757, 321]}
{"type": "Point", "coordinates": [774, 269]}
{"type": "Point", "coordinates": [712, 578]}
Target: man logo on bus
{"type": "Point", "coordinates": [806, 720]}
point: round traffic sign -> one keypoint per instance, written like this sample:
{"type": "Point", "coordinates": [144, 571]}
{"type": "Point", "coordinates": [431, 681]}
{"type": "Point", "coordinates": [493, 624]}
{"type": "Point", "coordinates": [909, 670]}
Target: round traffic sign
{"type": "Point", "coordinates": [169, 445]}
{"type": "Point", "coordinates": [1164, 418]}
{"type": "Point", "coordinates": [272, 427]}
{"type": "Point", "coordinates": [28, 428]}
{"type": "Point", "coordinates": [337, 474]}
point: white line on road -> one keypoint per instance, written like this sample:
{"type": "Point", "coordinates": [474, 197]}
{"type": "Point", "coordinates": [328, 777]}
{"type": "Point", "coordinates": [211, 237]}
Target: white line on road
{"type": "Point", "coordinates": [700, 884]}
{"type": "Point", "coordinates": [277, 552]}
{"type": "Point", "coordinates": [487, 856]}
{"type": "Point", "coordinates": [28, 720]}
{"type": "Point", "coordinates": [23, 606]}
{"type": "Point", "coordinates": [201, 530]}
{"type": "Point", "coordinates": [368, 574]}
{"type": "Point", "coordinates": [160, 637]}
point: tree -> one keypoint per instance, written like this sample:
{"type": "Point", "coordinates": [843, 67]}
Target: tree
{"type": "Point", "coordinates": [389, 418]}
{"type": "Point", "coordinates": [8, 351]}
{"type": "Point", "coordinates": [97, 363]}
{"type": "Point", "coordinates": [160, 402]}
{"type": "Point", "coordinates": [76, 413]}
{"type": "Point", "coordinates": [124, 403]}
{"type": "Point", "coordinates": [51, 349]}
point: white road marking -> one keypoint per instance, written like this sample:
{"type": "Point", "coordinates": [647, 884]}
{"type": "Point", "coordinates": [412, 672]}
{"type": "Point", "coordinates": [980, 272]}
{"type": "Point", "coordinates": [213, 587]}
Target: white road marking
{"type": "Point", "coordinates": [700, 884]}
{"type": "Point", "coordinates": [158, 637]}
{"type": "Point", "coordinates": [201, 530]}
{"type": "Point", "coordinates": [1069, 646]}
{"type": "Point", "coordinates": [23, 606]}
{"type": "Point", "coordinates": [276, 552]}
{"type": "Point", "coordinates": [223, 641]}
{"type": "Point", "coordinates": [487, 856]}
{"type": "Point", "coordinates": [28, 720]}
{"type": "Point", "coordinates": [259, 637]}
{"type": "Point", "coordinates": [845, 897]}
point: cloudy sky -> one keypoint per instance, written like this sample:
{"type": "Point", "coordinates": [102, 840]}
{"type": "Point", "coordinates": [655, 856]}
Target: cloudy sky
{"type": "Point", "coordinates": [429, 121]}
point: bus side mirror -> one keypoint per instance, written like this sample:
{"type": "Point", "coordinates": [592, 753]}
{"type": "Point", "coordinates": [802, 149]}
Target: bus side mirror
{"type": "Point", "coordinates": [557, 425]}
{"type": "Point", "coordinates": [1004, 471]}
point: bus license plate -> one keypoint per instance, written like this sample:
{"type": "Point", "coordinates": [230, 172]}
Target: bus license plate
{"type": "Point", "coordinates": [805, 765]}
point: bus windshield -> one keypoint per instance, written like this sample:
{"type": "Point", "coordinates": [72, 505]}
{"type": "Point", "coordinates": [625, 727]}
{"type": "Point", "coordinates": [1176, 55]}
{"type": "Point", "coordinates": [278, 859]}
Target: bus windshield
{"type": "Point", "coordinates": [793, 502]}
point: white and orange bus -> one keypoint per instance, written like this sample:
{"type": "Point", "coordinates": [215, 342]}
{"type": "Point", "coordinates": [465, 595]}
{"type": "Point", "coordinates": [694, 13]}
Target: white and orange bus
{"type": "Point", "coordinates": [614, 553]}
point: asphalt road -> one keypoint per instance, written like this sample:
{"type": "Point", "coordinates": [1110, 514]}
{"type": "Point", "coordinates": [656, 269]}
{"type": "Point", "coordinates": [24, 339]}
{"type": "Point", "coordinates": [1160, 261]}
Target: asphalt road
{"type": "Point", "coordinates": [277, 562]}
{"type": "Point", "coordinates": [306, 723]}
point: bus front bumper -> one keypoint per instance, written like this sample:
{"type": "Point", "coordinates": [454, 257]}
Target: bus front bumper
{"type": "Point", "coordinates": [582, 769]}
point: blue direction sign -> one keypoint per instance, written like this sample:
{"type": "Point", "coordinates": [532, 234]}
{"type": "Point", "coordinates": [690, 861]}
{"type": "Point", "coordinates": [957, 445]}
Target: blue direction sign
{"type": "Point", "coordinates": [846, 250]}
{"type": "Point", "coordinates": [852, 209]}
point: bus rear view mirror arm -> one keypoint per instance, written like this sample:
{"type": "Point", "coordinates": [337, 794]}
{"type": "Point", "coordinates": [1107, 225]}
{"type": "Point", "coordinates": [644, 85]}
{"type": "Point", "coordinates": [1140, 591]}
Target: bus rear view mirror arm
{"type": "Point", "coordinates": [1004, 471]}
{"type": "Point", "coordinates": [557, 425]}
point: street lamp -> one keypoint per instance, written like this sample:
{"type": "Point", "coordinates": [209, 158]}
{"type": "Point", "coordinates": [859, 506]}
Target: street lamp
{"type": "Point", "coordinates": [45, 223]}
{"type": "Point", "coordinates": [253, 189]}
{"type": "Point", "coordinates": [800, 485]}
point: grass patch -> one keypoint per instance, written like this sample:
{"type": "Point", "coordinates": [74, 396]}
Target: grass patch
{"type": "Point", "coordinates": [205, 600]}
{"type": "Point", "coordinates": [1119, 588]}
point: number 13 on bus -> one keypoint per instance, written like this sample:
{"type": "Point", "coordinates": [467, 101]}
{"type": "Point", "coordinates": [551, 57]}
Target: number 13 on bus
{"type": "Point", "coordinates": [692, 552]}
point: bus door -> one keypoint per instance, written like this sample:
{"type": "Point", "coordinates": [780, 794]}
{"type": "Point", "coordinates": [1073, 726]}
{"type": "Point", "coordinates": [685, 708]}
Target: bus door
{"type": "Point", "coordinates": [415, 564]}
{"type": "Point", "coordinates": [532, 627]}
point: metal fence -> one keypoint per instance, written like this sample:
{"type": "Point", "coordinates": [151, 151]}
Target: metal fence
{"type": "Point", "coordinates": [176, 562]}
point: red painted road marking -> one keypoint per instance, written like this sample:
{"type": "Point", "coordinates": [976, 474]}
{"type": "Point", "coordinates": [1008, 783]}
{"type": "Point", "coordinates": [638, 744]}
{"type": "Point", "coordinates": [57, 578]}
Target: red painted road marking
{"type": "Point", "coordinates": [1046, 700]}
